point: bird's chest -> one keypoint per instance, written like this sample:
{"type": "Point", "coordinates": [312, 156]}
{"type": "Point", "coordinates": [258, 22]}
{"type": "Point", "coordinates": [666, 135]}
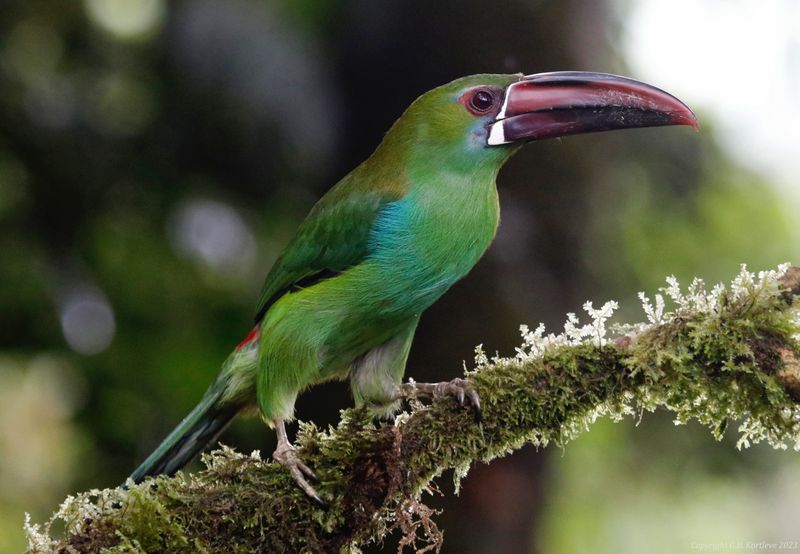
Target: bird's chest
{"type": "Point", "coordinates": [426, 242]}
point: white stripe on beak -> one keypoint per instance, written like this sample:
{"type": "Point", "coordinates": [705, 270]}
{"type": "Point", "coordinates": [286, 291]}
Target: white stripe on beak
{"type": "Point", "coordinates": [497, 134]}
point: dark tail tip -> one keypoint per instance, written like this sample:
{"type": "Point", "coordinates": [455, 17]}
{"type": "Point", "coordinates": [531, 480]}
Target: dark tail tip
{"type": "Point", "coordinates": [200, 428]}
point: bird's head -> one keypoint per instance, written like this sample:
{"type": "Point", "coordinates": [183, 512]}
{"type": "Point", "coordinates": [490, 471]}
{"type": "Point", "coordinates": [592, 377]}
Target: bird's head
{"type": "Point", "coordinates": [486, 117]}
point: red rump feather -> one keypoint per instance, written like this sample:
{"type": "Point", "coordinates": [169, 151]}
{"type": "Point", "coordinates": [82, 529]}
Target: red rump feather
{"type": "Point", "coordinates": [251, 336]}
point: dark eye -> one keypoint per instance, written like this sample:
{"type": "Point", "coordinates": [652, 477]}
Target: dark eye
{"type": "Point", "coordinates": [481, 101]}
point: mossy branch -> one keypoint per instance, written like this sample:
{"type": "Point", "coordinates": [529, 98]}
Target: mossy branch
{"type": "Point", "coordinates": [728, 355]}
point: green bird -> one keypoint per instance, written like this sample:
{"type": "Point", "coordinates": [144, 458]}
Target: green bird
{"type": "Point", "coordinates": [344, 298]}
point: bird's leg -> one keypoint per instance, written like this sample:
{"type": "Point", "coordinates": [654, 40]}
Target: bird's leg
{"type": "Point", "coordinates": [459, 389]}
{"type": "Point", "coordinates": [286, 455]}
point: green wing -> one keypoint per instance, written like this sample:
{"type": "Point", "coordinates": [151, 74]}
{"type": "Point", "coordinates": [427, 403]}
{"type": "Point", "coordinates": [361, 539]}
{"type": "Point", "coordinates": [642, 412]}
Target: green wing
{"type": "Point", "coordinates": [333, 237]}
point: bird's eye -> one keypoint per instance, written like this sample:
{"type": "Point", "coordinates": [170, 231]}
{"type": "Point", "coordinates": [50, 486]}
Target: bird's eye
{"type": "Point", "coordinates": [481, 101]}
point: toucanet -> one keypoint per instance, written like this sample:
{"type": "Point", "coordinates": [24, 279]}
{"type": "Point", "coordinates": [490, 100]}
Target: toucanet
{"type": "Point", "coordinates": [344, 298]}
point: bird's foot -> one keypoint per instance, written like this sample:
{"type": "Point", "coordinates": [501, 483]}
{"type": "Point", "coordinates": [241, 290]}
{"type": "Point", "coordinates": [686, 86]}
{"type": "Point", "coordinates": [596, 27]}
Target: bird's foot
{"type": "Point", "coordinates": [459, 389]}
{"type": "Point", "coordinates": [286, 455]}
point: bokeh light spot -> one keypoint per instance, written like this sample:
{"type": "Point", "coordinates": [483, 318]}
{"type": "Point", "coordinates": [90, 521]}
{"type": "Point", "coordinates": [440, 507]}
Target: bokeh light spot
{"type": "Point", "coordinates": [126, 19]}
{"type": "Point", "coordinates": [87, 321]}
{"type": "Point", "coordinates": [40, 444]}
{"type": "Point", "coordinates": [213, 234]}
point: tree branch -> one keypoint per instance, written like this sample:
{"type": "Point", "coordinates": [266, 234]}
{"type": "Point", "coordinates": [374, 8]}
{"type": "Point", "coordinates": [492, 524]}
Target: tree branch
{"type": "Point", "coordinates": [727, 355]}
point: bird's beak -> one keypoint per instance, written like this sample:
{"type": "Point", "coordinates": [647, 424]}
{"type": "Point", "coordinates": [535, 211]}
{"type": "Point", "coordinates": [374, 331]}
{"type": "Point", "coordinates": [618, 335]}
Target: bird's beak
{"type": "Point", "coordinates": [548, 105]}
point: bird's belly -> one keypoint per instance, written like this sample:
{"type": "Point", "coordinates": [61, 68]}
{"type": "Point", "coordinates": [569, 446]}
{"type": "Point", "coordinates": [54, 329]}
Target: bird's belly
{"type": "Point", "coordinates": [409, 290]}
{"type": "Point", "coordinates": [326, 327]}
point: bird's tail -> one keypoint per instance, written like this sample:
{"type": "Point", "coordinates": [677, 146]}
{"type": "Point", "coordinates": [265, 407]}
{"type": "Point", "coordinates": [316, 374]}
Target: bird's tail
{"type": "Point", "coordinates": [206, 422]}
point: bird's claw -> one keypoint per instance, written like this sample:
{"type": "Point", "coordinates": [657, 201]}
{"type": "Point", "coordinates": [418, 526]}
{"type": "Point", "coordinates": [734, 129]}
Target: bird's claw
{"type": "Point", "coordinates": [287, 457]}
{"type": "Point", "coordinates": [460, 389]}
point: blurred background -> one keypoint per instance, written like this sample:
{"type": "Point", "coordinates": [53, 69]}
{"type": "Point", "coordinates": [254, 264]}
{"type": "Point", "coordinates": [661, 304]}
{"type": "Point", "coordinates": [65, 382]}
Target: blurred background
{"type": "Point", "coordinates": [155, 156]}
